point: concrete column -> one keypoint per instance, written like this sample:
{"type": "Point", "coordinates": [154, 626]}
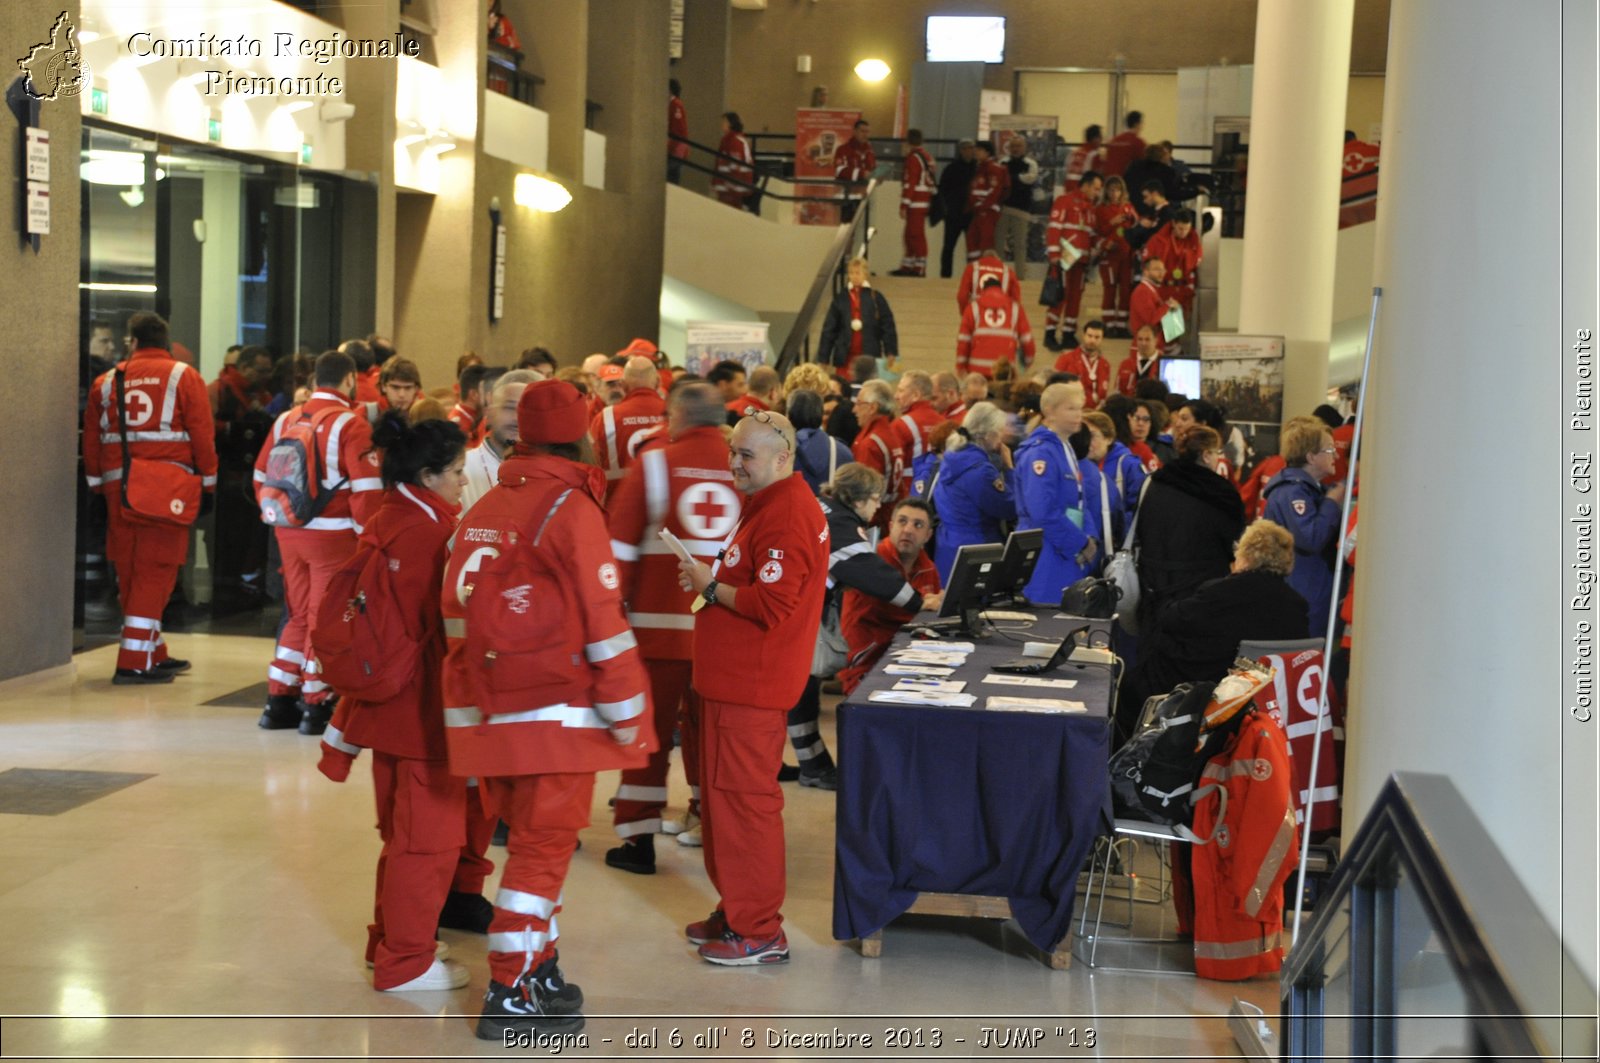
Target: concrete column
{"type": "Point", "coordinates": [369, 140]}
{"type": "Point", "coordinates": [219, 268]}
{"type": "Point", "coordinates": [1462, 619]}
{"type": "Point", "coordinates": [703, 70]}
{"type": "Point", "coordinates": [1291, 228]}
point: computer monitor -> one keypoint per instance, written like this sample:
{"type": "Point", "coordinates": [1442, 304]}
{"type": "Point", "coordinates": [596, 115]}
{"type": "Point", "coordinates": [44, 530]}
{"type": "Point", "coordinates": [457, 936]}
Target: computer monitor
{"type": "Point", "coordinates": [1022, 552]}
{"type": "Point", "coordinates": [1181, 375]}
{"type": "Point", "coordinates": [972, 580]}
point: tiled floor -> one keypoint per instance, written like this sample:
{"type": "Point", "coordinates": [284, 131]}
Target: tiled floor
{"type": "Point", "coordinates": [217, 907]}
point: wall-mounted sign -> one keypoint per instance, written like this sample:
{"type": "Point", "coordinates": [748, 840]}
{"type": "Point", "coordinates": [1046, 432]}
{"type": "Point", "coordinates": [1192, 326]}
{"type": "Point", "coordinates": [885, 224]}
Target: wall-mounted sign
{"type": "Point", "coordinates": [38, 151]}
{"type": "Point", "coordinates": [38, 208]}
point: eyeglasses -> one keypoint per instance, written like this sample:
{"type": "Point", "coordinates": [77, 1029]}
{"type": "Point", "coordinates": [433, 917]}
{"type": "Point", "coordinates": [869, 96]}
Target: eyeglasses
{"type": "Point", "coordinates": [766, 418]}
{"type": "Point", "coordinates": [1145, 417]}
{"type": "Point", "coordinates": [1328, 450]}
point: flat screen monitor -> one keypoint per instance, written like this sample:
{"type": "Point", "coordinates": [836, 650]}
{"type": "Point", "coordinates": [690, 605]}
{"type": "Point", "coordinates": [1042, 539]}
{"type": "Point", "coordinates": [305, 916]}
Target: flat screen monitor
{"type": "Point", "coordinates": [973, 578]}
{"type": "Point", "coordinates": [1181, 375]}
{"type": "Point", "coordinates": [966, 39]}
{"type": "Point", "coordinates": [1022, 551]}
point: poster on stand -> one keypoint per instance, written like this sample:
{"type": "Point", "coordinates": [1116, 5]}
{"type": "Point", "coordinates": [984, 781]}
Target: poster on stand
{"type": "Point", "coordinates": [1039, 133]}
{"type": "Point", "coordinates": [1244, 375]}
{"type": "Point", "coordinates": [708, 342]}
{"type": "Point", "coordinates": [818, 134]}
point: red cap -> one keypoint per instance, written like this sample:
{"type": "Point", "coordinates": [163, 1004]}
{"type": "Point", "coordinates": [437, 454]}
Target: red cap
{"type": "Point", "coordinates": [609, 372]}
{"type": "Point", "coordinates": [551, 411]}
{"type": "Point", "coordinates": [642, 348]}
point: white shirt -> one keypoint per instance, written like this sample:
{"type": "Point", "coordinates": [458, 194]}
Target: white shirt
{"type": "Point", "coordinates": [483, 472]}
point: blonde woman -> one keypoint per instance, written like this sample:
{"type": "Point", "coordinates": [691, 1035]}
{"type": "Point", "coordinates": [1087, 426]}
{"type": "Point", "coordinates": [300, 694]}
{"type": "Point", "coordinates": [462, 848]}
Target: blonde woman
{"type": "Point", "coordinates": [1059, 492]}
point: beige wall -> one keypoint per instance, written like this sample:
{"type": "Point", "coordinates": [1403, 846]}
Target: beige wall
{"type": "Point", "coordinates": [38, 435]}
{"type": "Point", "coordinates": [1153, 35]}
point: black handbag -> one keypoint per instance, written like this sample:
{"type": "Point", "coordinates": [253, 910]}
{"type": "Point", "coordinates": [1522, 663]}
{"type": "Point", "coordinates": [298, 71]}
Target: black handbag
{"type": "Point", "coordinates": [1095, 599]}
{"type": "Point", "coordinates": [1055, 287]}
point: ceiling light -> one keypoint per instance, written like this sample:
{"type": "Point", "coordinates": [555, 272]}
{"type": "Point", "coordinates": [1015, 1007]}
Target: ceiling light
{"type": "Point", "coordinates": [101, 167]}
{"type": "Point", "coordinates": [872, 70]}
{"type": "Point", "coordinates": [540, 193]}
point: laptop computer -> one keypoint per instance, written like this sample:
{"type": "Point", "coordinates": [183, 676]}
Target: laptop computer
{"type": "Point", "coordinates": [1041, 665]}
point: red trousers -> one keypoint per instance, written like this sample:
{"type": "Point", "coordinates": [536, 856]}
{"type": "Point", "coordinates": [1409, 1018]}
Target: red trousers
{"type": "Point", "coordinates": [643, 792]}
{"type": "Point", "coordinates": [980, 234]}
{"type": "Point", "coordinates": [742, 805]}
{"type": "Point", "coordinates": [545, 814]}
{"type": "Point", "coordinates": [1116, 287]}
{"type": "Point", "coordinates": [916, 240]}
{"type": "Point", "coordinates": [472, 866]}
{"type": "Point", "coordinates": [310, 558]}
{"type": "Point", "coordinates": [420, 810]}
{"type": "Point", "coordinates": [1064, 315]}
{"type": "Point", "coordinates": [147, 558]}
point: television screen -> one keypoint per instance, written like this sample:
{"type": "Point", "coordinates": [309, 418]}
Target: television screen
{"type": "Point", "coordinates": [1181, 375]}
{"type": "Point", "coordinates": [966, 39]}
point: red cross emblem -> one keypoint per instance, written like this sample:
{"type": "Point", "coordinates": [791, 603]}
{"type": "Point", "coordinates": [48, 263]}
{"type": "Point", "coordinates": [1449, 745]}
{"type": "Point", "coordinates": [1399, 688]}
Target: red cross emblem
{"type": "Point", "coordinates": [708, 510]}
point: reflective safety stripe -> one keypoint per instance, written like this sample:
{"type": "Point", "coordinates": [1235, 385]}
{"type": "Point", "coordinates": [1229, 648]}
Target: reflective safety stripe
{"type": "Point", "coordinates": [366, 483]}
{"type": "Point", "coordinates": [330, 461]}
{"type": "Point", "coordinates": [1237, 950]}
{"type": "Point", "coordinates": [1233, 770]}
{"type": "Point", "coordinates": [314, 686]}
{"type": "Point", "coordinates": [141, 622]}
{"type": "Point", "coordinates": [801, 730]}
{"type": "Point", "coordinates": [565, 715]}
{"type": "Point", "coordinates": [140, 645]}
{"type": "Point", "coordinates": [146, 437]}
{"type": "Point", "coordinates": [111, 474]}
{"type": "Point", "coordinates": [330, 524]}
{"type": "Point", "coordinates": [531, 942]}
{"type": "Point", "coordinates": [94, 481]}
{"type": "Point", "coordinates": [280, 676]}
{"type": "Point", "coordinates": [621, 710]}
{"type": "Point", "coordinates": [525, 903]}
{"type": "Point", "coordinates": [284, 653]}
{"type": "Point", "coordinates": [208, 481]}
{"type": "Point", "coordinates": [696, 547]}
{"type": "Point", "coordinates": [455, 627]}
{"type": "Point", "coordinates": [260, 477]}
{"type": "Point", "coordinates": [1270, 864]}
{"type": "Point", "coordinates": [605, 649]}
{"type": "Point", "coordinates": [335, 738]}
{"type": "Point", "coordinates": [419, 503]}
{"type": "Point", "coordinates": [811, 752]}
{"type": "Point", "coordinates": [694, 792]}
{"type": "Point", "coordinates": [669, 621]}
{"type": "Point", "coordinates": [624, 551]}
{"type": "Point", "coordinates": [639, 826]}
{"type": "Point", "coordinates": [657, 490]}
{"type": "Point", "coordinates": [853, 550]}
{"type": "Point", "coordinates": [1305, 727]}
{"type": "Point", "coordinates": [608, 419]}
{"type": "Point", "coordinates": [626, 792]}
{"type": "Point", "coordinates": [906, 594]}
{"type": "Point", "coordinates": [169, 401]}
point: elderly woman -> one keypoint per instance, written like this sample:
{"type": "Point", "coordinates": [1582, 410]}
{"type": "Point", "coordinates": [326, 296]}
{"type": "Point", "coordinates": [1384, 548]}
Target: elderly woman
{"type": "Point", "coordinates": [1190, 520]}
{"type": "Point", "coordinates": [1060, 494]}
{"type": "Point", "coordinates": [1297, 500]}
{"type": "Point", "coordinates": [1195, 638]}
{"type": "Point", "coordinates": [859, 322]}
{"type": "Point", "coordinates": [974, 490]}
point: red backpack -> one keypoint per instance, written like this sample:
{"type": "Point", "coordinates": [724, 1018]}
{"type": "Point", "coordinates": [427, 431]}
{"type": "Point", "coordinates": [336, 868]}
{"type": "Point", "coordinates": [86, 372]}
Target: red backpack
{"type": "Point", "coordinates": [293, 495]}
{"type": "Point", "coordinates": [365, 646]}
{"type": "Point", "coordinates": [523, 645]}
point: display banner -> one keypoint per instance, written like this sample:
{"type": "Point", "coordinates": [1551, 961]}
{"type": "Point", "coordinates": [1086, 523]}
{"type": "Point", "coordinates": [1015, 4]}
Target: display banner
{"type": "Point", "coordinates": [708, 342]}
{"type": "Point", "coordinates": [818, 133]}
{"type": "Point", "coordinates": [1038, 131]}
{"type": "Point", "coordinates": [1243, 374]}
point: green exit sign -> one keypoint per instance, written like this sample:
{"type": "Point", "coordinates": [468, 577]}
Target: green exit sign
{"type": "Point", "coordinates": [214, 130]}
{"type": "Point", "coordinates": [99, 101]}
{"type": "Point", "coordinates": [305, 154]}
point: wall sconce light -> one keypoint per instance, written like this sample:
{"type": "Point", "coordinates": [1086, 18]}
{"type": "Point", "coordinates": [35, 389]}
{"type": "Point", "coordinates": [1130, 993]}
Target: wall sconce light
{"type": "Point", "coordinates": [540, 193]}
{"type": "Point", "coordinates": [872, 70]}
{"type": "Point", "coordinates": [336, 111]}
{"type": "Point", "coordinates": [439, 143]}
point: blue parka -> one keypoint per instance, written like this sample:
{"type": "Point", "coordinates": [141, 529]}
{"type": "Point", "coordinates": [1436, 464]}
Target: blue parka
{"type": "Point", "coordinates": [972, 496]}
{"type": "Point", "coordinates": [1057, 492]}
{"type": "Point", "coordinates": [1300, 504]}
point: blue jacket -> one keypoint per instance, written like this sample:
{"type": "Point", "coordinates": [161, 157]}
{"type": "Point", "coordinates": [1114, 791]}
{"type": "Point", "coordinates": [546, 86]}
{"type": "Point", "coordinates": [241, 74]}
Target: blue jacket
{"type": "Point", "coordinates": [811, 460]}
{"type": "Point", "coordinates": [972, 498]}
{"type": "Point", "coordinates": [1051, 497]}
{"type": "Point", "coordinates": [1298, 502]}
{"type": "Point", "coordinates": [1125, 472]}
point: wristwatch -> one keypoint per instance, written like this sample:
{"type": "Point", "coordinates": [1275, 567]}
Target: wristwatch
{"type": "Point", "coordinates": [710, 593]}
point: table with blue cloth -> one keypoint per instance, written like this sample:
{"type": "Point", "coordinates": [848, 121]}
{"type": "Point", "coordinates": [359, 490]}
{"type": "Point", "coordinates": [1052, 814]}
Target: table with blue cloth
{"type": "Point", "coordinates": [978, 812]}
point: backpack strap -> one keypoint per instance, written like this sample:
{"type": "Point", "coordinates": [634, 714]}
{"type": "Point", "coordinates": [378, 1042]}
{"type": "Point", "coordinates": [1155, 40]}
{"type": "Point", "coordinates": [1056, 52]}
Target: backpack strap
{"type": "Point", "coordinates": [122, 430]}
{"type": "Point", "coordinates": [1133, 524]}
{"type": "Point", "coordinates": [1105, 517]}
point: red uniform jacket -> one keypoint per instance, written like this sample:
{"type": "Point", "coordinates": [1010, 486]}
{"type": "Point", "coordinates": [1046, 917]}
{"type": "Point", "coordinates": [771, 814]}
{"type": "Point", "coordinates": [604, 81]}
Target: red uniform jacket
{"type": "Point", "coordinates": [677, 126]}
{"type": "Point", "coordinates": [1129, 373]}
{"type": "Point", "coordinates": [1111, 222]}
{"type": "Point", "coordinates": [367, 389]}
{"type": "Point", "coordinates": [1344, 438]}
{"type": "Point", "coordinates": [1095, 376]}
{"type": "Point", "coordinates": [345, 439]}
{"type": "Point", "coordinates": [1181, 257]}
{"type": "Point", "coordinates": [1255, 504]}
{"type": "Point", "coordinates": [869, 624]}
{"type": "Point", "coordinates": [1147, 306]}
{"type": "Point", "coordinates": [956, 413]}
{"type": "Point", "coordinates": [740, 167]}
{"type": "Point", "coordinates": [236, 387]}
{"type": "Point", "coordinates": [745, 405]}
{"type": "Point", "coordinates": [917, 185]}
{"type": "Point", "coordinates": [977, 271]}
{"type": "Point", "coordinates": [1146, 456]}
{"type": "Point", "coordinates": [1084, 158]}
{"type": "Point", "coordinates": [412, 526]}
{"type": "Point", "coordinates": [778, 558]}
{"type": "Point", "coordinates": [992, 328]}
{"type": "Point", "coordinates": [854, 162]}
{"type": "Point", "coordinates": [615, 432]}
{"type": "Point", "coordinates": [685, 487]}
{"type": "Point", "coordinates": [909, 433]}
{"type": "Point", "coordinates": [1072, 221]}
{"type": "Point", "coordinates": [566, 736]}
{"type": "Point", "coordinates": [988, 189]}
{"type": "Point", "coordinates": [1120, 151]}
{"type": "Point", "coordinates": [877, 447]}
{"type": "Point", "coordinates": [465, 416]}
{"type": "Point", "coordinates": [169, 419]}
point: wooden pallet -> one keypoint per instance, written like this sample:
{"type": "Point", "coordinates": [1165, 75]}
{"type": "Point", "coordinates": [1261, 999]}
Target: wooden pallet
{"type": "Point", "coordinates": [967, 906]}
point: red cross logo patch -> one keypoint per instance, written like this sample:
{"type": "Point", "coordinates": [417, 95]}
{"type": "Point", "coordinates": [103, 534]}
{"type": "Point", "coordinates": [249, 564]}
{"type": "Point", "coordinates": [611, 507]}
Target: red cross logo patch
{"type": "Point", "coordinates": [1299, 505]}
{"type": "Point", "coordinates": [771, 572]}
{"type": "Point", "coordinates": [1039, 467]}
{"type": "Point", "coordinates": [708, 510]}
{"type": "Point", "coordinates": [733, 556]}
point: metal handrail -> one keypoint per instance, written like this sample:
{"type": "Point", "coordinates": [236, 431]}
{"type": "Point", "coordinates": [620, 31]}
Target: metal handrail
{"type": "Point", "coordinates": [761, 174]}
{"type": "Point", "coordinates": [796, 348]}
{"type": "Point", "coordinates": [1516, 974]}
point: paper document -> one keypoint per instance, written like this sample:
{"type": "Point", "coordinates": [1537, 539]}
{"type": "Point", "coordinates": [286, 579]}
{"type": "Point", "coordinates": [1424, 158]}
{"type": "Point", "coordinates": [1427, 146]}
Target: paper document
{"type": "Point", "coordinates": [1069, 255]}
{"type": "Point", "coordinates": [676, 545]}
{"type": "Point", "coordinates": [934, 670]}
{"type": "Point", "coordinates": [1172, 324]}
{"type": "Point", "coordinates": [992, 615]}
{"type": "Point", "coordinates": [935, 646]}
{"type": "Point", "coordinates": [1030, 681]}
{"type": "Point", "coordinates": [917, 697]}
{"type": "Point", "coordinates": [932, 686]}
{"type": "Point", "coordinates": [1010, 704]}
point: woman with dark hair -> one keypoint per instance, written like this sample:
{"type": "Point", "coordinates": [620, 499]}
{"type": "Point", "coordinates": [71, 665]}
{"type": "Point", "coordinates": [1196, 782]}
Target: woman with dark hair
{"type": "Point", "coordinates": [817, 454]}
{"type": "Point", "coordinates": [1198, 411]}
{"type": "Point", "coordinates": [422, 807]}
{"type": "Point", "coordinates": [1189, 521]}
{"type": "Point", "coordinates": [735, 164]}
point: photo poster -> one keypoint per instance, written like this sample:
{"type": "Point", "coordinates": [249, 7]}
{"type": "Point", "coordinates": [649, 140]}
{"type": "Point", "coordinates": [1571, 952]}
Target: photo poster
{"type": "Point", "coordinates": [1039, 132]}
{"type": "Point", "coordinates": [818, 133]}
{"type": "Point", "coordinates": [708, 342]}
{"type": "Point", "coordinates": [1243, 375]}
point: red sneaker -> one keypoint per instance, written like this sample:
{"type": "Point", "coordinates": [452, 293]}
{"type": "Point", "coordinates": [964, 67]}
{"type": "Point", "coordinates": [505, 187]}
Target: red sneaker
{"type": "Point", "coordinates": [732, 950]}
{"type": "Point", "coordinates": [711, 928]}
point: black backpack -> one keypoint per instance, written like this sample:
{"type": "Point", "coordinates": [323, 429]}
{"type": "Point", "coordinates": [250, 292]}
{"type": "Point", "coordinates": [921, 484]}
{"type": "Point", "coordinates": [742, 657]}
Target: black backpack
{"type": "Point", "coordinates": [1154, 775]}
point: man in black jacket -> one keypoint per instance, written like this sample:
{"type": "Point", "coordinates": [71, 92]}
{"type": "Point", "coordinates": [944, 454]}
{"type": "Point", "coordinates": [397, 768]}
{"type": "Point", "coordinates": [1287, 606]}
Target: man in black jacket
{"type": "Point", "coordinates": [858, 322]}
{"type": "Point", "coordinates": [953, 185]}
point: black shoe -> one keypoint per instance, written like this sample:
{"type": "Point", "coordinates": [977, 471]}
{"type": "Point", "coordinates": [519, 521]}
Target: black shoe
{"type": "Point", "coordinates": [1068, 342]}
{"type": "Point", "coordinates": [519, 1009]}
{"type": "Point", "coordinates": [282, 713]}
{"type": "Point", "coordinates": [902, 272]}
{"type": "Point", "coordinates": [788, 773]}
{"type": "Point", "coordinates": [637, 854]}
{"type": "Point", "coordinates": [559, 996]}
{"type": "Point", "coordinates": [471, 912]}
{"type": "Point", "coordinates": [826, 779]}
{"type": "Point", "coordinates": [314, 718]}
{"type": "Point", "coordinates": [174, 665]}
{"type": "Point", "coordinates": [502, 833]}
{"type": "Point", "coordinates": [125, 676]}
{"type": "Point", "coordinates": [1051, 343]}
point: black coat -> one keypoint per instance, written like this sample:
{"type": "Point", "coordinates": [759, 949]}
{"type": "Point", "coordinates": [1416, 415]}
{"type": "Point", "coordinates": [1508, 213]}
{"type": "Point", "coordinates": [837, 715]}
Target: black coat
{"type": "Point", "coordinates": [1195, 638]}
{"type": "Point", "coordinates": [878, 337]}
{"type": "Point", "coordinates": [1188, 522]}
{"type": "Point", "coordinates": [954, 182]}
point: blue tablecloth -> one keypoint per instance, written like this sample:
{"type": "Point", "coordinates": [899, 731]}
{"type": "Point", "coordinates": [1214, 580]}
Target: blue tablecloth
{"type": "Point", "coordinates": [1003, 804]}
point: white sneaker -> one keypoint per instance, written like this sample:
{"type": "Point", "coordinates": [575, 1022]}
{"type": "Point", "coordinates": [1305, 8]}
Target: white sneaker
{"type": "Point", "coordinates": [441, 951]}
{"type": "Point", "coordinates": [691, 837]}
{"type": "Point", "coordinates": [678, 826]}
{"type": "Point", "coordinates": [441, 974]}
